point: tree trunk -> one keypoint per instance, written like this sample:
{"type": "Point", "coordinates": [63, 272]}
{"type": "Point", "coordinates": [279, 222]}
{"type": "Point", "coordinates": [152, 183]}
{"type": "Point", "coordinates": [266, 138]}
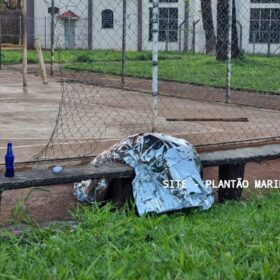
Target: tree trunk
{"type": "Point", "coordinates": [208, 26]}
{"type": "Point", "coordinates": [222, 31]}
{"type": "Point", "coordinates": [235, 50]}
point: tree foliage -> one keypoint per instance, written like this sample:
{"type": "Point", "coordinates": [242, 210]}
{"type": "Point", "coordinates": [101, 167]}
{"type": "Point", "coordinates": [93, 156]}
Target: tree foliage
{"type": "Point", "coordinates": [10, 4]}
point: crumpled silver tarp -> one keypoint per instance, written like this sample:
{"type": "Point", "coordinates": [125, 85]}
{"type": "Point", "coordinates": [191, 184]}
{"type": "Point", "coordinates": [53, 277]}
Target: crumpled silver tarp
{"type": "Point", "coordinates": [167, 174]}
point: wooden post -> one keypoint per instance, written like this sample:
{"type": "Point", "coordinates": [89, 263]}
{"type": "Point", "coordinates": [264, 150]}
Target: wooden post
{"type": "Point", "coordinates": [41, 61]}
{"type": "Point", "coordinates": [231, 172]}
{"type": "Point", "coordinates": [24, 41]}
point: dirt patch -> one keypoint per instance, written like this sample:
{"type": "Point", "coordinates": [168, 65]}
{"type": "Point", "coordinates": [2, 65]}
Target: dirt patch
{"type": "Point", "coordinates": [55, 203]}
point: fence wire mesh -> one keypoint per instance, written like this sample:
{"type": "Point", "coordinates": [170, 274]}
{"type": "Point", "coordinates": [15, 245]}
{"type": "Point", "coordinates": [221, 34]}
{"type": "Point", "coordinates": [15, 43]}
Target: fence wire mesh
{"type": "Point", "coordinates": [218, 71]}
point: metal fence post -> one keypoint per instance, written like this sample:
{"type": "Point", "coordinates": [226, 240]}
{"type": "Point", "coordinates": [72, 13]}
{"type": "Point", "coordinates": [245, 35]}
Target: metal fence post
{"type": "Point", "coordinates": [254, 42]}
{"type": "Point", "coordinates": [155, 62]}
{"type": "Point", "coordinates": [228, 89]}
{"type": "Point", "coordinates": [240, 34]}
{"type": "Point", "coordinates": [124, 43]}
{"type": "Point", "coordinates": [24, 41]}
{"type": "Point", "coordinates": [0, 44]}
{"type": "Point", "coordinates": [194, 35]}
{"type": "Point", "coordinates": [180, 35]}
{"type": "Point", "coordinates": [20, 30]}
{"type": "Point", "coordinates": [186, 27]}
{"type": "Point", "coordinates": [167, 37]}
{"type": "Point", "coordinates": [52, 38]}
{"type": "Point", "coordinates": [45, 42]}
{"type": "Point", "coordinates": [269, 41]}
{"type": "Point", "coordinates": [90, 23]}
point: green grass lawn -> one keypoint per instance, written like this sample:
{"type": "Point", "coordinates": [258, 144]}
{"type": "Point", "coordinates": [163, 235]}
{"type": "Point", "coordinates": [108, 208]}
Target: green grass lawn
{"type": "Point", "coordinates": [236, 240]}
{"type": "Point", "coordinates": [83, 56]}
{"type": "Point", "coordinates": [258, 73]}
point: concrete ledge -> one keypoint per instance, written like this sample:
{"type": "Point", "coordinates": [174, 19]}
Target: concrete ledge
{"type": "Point", "coordinates": [46, 177]}
{"type": "Point", "coordinates": [224, 159]}
{"type": "Point", "coordinates": [240, 156]}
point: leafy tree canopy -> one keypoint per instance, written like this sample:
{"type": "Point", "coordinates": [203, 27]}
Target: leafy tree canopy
{"type": "Point", "coordinates": [10, 4]}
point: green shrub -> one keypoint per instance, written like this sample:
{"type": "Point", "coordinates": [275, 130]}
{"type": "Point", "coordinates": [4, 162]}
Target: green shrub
{"type": "Point", "coordinates": [83, 58]}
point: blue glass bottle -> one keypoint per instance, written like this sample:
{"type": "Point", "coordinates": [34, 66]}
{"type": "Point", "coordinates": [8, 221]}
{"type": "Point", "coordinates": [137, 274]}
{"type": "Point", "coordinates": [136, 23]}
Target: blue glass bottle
{"type": "Point", "coordinates": [9, 161]}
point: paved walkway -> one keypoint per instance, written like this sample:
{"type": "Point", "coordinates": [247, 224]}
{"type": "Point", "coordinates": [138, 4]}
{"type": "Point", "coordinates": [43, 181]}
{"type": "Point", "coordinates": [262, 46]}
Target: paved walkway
{"type": "Point", "coordinates": [171, 88]}
{"type": "Point", "coordinates": [91, 112]}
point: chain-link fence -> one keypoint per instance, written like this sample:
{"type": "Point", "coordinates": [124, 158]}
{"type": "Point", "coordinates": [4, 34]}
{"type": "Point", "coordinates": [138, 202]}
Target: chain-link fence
{"type": "Point", "coordinates": [207, 71]}
{"type": "Point", "coordinates": [10, 29]}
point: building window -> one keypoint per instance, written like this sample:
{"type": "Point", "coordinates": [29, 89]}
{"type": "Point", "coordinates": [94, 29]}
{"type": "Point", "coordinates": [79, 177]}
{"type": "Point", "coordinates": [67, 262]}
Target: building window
{"type": "Point", "coordinates": [168, 25]}
{"type": "Point", "coordinates": [107, 19]}
{"type": "Point", "coordinates": [265, 26]}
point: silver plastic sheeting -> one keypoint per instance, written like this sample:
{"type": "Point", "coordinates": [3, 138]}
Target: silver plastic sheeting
{"type": "Point", "coordinates": [167, 174]}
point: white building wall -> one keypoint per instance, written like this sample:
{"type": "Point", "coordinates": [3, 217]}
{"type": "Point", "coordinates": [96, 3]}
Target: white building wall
{"type": "Point", "coordinates": [132, 25]}
{"type": "Point", "coordinates": [43, 22]}
{"type": "Point", "coordinates": [172, 46]}
{"type": "Point", "coordinates": [42, 27]}
{"type": "Point", "coordinates": [112, 38]}
{"type": "Point", "coordinates": [243, 8]}
{"type": "Point", "coordinates": [103, 38]}
{"type": "Point", "coordinates": [244, 17]}
{"type": "Point", "coordinates": [107, 38]}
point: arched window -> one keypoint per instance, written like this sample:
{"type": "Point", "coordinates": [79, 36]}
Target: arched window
{"type": "Point", "coordinates": [107, 19]}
